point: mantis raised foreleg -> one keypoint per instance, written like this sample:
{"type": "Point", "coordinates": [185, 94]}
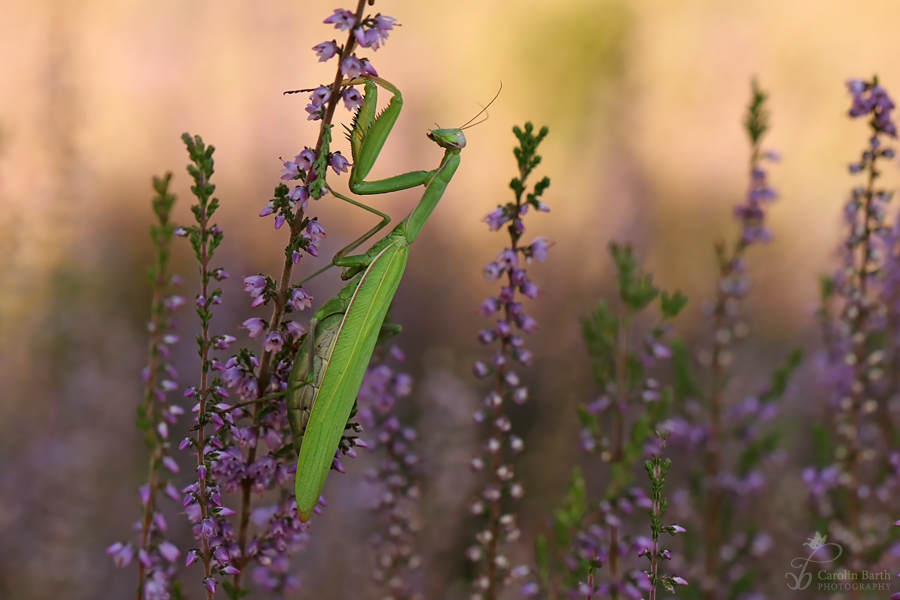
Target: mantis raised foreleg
{"type": "Point", "coordinates": [344, 331]}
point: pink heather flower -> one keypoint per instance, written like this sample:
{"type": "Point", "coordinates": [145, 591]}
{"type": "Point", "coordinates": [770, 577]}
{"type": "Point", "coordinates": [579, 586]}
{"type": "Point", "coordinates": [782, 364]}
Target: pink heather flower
{"type": "Point", "coordinates": [294, 328]}
{"type": "Point", "coordinates": [367, 38]}
{"type": "Point", "coordinates": [326, 50]}
{"type": "Point", "coordinates": [339, 163]}
{"type": "Point", "coordinates": [254, 285]}
{"type": "Point", "coordinates": [315, 229]}
{"type": "Point", "coordinates": [273, 342]}
{"type": "Point", "coordinates": [496, 219]}
{"type": "Point", "coordinates": [489, 307]}
{"type": "Point", "coordinates": [290, 171]}
{"type": "Point", "coordinates": [300, 195]}
{"type": "Point", "coordinates": [492, 271]}
{"type": "Point", "coordinates": [305, 159]}
{"type": "Point", "coordinates": [300, 299]}
{"type": "Point", "coordinates": [255, 326]}
{"type": "Point", "coordinates": [539, 248]}
{"type": "Point", "coordinates": [169, 551]}
{"type": "Point", "coordinates": [342, 19]}
{"type": "Point", "coordinates": [122, 554]}
{"type": "Point", "coordinates": [279, 221]}
{"type": "Point", "coordinates": [351, 67]}
{"type": "Point", "coordinates": [268, 210]}
{"type": "Point", "coordinates": [174, 302]}
{"type": "Point", "coordinates": [210, 585]}
{"type": "Point", "coordinates": [383, 24]}
{"type": "Point", "coordinates": [368, 69]}
{"type": "Point", "coordinates": [527, 324]}
{"type": "Point", "coordinates": [352, 98]}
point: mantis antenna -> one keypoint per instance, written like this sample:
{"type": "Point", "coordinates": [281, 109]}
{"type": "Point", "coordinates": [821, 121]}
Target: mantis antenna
{"type": "Point", "coordinates": [469, 123]}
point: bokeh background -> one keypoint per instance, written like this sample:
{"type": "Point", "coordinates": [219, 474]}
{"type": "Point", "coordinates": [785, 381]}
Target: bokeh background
{"type": "Point", "coordinates": [644, 100]}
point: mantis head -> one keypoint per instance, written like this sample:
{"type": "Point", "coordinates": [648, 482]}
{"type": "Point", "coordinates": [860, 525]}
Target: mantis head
{"type": "Point", "coordinates": [455, 139]}
{"type": "Point", "coordinates": [448, 138]}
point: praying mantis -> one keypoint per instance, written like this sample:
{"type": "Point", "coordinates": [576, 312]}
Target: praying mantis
{"type": "Point", "coordinates": [327, 374]}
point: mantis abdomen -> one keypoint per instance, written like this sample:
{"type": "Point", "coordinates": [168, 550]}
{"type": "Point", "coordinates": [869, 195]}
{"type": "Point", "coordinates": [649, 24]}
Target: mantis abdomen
{"type": "Point", "coordinates": [350, 355]}
{"type": "Point", "coordinates": [300, 403]}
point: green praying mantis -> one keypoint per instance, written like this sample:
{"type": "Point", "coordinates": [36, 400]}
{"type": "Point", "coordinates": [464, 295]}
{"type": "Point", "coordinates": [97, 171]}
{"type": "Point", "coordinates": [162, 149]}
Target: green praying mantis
{"type": "Point", "coordinates": [328, 370]}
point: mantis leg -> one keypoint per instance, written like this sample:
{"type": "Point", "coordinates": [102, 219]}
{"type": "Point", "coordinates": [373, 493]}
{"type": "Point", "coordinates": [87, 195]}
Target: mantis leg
{"type": "Point", "coordinates": [367, 137]}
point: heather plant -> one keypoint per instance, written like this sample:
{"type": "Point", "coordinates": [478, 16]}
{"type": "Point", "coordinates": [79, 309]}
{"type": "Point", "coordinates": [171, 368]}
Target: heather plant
{"type": "Point", "coordinates": [731, 442]}
{"type": "Point", "coordinates": [595, 545]}
{"type": "Point", "coordinates": [396, 478]}
{"type": "Point", "coordinates": [493, 506]}
{"type": "Point", "coordinates": [245, 447]}
{"type": "Point", "coordinates": [157, 555]}
{"type": "Point", "coordinates": [854, 486]}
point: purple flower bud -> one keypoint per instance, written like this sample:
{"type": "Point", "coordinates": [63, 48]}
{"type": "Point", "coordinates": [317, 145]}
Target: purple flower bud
{"type": "Point", "coordinates": [210, 584]}
{"type": "Point", "coordinates": [268, 210]}
{"type": "Point", "coordinates": [170, 464]}
{"type": "Point", "coordinates": [325, 50]}
{"type": "Point", "coordinates": [679, 581]}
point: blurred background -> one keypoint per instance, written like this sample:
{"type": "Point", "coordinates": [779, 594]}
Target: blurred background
{"type": "Point", "coordinates": [644, 101]}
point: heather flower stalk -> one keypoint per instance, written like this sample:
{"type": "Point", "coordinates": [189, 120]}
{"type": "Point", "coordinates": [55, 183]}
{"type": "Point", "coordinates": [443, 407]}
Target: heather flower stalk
{"type": "Point", "coordinates": [494, 568]}
{"type": "Point", "coordinates": [396, 477]}
{"type": "Point", "coordinates": [855, 484]}
{"type": "Point", "coordinates": [593, 544]}
{"type": "Point", "coordinates": [156, 554]}
{"type": "Point", "coordinates": [202, 500]}
{"type": "Point", "coordinates": [656, 468]}
{"type": "Point", "coordinates": [245, 471]}
{"type": "Point", "coordinates": [706, 422]}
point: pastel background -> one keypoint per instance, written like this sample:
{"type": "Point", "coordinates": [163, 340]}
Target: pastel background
{"type": "Point", "coordinates": [644, 100]}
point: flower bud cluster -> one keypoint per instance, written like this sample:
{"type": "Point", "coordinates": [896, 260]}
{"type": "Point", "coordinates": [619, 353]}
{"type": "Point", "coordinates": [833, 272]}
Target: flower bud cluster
{"type": "Point", "coordinates": [157, 555]}
{"type": "Point", "coordinates": [395, 480]}
{"type": "Point", "coordinates": [861, 319]}
{"type": "Point", "coordinates": [494, 569]}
